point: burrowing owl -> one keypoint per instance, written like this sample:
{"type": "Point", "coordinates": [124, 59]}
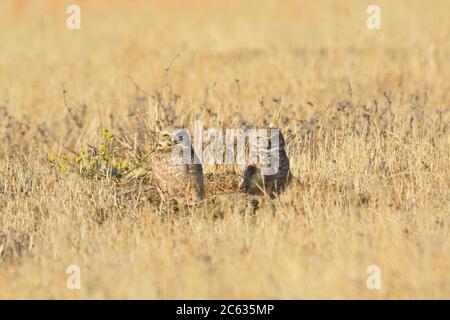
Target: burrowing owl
{"type": "Point", "coordinates": [268, 173]}
{"type": "Point", "coordinates": [176, 169]}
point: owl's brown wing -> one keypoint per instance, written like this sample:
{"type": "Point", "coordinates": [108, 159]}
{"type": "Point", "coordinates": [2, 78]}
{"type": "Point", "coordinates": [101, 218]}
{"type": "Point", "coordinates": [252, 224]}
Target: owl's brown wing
{"type": "Point", "coordinates": [196, 180]}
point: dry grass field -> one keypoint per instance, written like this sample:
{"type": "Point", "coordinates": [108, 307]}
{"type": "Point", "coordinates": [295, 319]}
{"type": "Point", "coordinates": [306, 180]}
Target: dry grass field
{"type": "Point", "coordinates": [366, 115]}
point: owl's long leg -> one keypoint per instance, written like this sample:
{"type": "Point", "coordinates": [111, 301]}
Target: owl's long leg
{"type": "Point", "coordinates": [160, 207]}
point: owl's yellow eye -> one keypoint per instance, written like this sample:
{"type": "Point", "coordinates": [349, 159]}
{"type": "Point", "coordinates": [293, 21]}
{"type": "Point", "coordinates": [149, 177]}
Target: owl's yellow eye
{"type": "Point", "coordinates": [166, 135]}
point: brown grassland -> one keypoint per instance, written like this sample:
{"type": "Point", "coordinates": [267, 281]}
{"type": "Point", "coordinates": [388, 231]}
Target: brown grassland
{"type": "Point", "coordinates": [366, 116]}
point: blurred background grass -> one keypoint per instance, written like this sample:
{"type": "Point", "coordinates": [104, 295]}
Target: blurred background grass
{"type": "Point", "coordinates": [386, 196]}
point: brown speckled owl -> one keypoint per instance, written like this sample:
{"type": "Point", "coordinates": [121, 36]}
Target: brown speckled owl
{"type": "Point", "coordinates": [176, 169]}
{"type": "Point", "coordinates": [269, 172]}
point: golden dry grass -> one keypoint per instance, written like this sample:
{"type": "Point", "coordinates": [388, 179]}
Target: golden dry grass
{"type": "Point", "coordinates": [366, 114]}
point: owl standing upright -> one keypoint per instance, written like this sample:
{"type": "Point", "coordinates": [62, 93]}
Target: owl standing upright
{"type": "Point", "coordinates": [268, 173]}
{"type": "Point", "coordinates": [176, 169]}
